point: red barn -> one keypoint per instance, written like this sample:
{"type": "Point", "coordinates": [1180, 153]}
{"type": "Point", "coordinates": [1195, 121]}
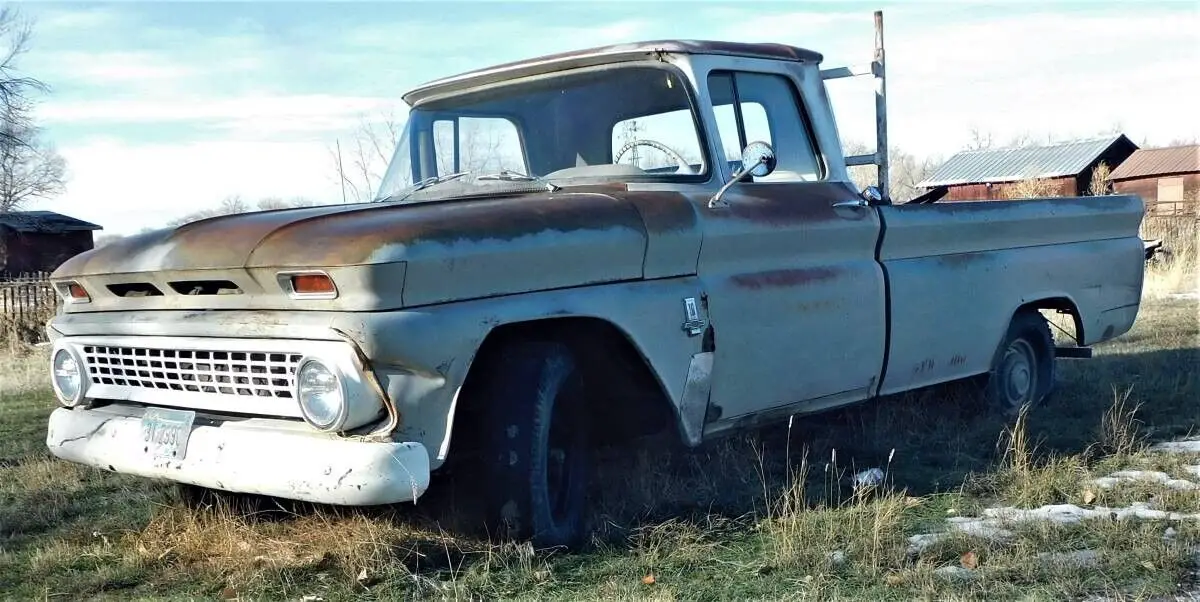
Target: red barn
{"type": "Point", "coordinates": [40, 241]}
{"type": "Point", "coordinates": [1167, 179]}
{"type": "Point", "coordinates": [1062, 169]}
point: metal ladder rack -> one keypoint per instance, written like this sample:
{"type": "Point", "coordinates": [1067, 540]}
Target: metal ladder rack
{"type": "Point", "coordinates": [875, 68]}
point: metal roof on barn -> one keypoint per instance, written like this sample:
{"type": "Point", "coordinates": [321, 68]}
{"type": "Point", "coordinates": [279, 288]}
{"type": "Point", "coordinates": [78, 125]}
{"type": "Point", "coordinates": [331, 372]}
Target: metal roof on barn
{"type": "Point", "coordinates": [1169, 160]}
{"type": "Point", "coordinates": [46, 222]}
{"type": "Point", "coordinates": [1020, 163]}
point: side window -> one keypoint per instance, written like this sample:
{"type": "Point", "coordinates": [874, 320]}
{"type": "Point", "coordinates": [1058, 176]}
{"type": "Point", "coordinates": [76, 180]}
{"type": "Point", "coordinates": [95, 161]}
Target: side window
{"type": "Point", "coordinates": [762, 107]}
{"type": "Point", "coordinates": [675, 129]}
{"type": "Point", "coordinates": [484, 144]}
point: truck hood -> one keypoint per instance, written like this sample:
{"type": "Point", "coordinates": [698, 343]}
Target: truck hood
{"type": "Point", "coordinates": [448, 249]}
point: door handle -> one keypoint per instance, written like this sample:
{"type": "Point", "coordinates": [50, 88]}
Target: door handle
{"type": "Point", "coordinates": [851, 204]}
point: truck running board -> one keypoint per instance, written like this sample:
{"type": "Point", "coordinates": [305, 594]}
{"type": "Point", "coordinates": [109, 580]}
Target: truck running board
{"type": "Point", "coordinates": [1073, 352]}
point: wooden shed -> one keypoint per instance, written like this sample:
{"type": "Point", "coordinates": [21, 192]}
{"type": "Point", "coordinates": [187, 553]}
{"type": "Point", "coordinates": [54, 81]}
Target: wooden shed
{"type": "Point", "coordinates": [1062, 169]}
{"type": "Point", "coordinates": [1167, 179]}
{"type": "Point", "coordinates": [40, 241]}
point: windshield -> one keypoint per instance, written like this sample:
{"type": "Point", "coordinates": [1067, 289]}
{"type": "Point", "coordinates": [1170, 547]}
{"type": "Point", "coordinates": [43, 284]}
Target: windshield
{"type": "Point", "coordinates": [621, 123]}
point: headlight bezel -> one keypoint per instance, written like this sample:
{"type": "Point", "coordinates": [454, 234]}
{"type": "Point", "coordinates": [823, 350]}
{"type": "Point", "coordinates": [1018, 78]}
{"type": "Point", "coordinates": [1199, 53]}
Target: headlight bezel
{"type": "Point", "coordinates": [343, 413]}
{"type": "Point", "coordinates": [81, 393]}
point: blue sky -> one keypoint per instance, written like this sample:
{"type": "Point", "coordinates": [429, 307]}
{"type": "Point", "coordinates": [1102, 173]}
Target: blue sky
{"type": "Point", "coordinates": [167, 107]}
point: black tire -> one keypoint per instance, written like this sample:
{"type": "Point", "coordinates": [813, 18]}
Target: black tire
{"type": "Point", "coordinates": [537, 448]}
{"type": "Point", "coordinates": [1022, 370]}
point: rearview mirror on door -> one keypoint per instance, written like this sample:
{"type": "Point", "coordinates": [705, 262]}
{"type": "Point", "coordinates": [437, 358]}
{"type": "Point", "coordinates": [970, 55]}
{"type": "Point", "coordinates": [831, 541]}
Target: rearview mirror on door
{"type": "Point", "coordinates": [758, 160]}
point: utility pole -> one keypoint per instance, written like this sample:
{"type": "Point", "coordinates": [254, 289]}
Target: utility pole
{"type": "Point", "coordinates": [629, 135]}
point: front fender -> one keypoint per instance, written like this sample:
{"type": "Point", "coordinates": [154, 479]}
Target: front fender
{"type": "Point", "coordinates": [422, 355]}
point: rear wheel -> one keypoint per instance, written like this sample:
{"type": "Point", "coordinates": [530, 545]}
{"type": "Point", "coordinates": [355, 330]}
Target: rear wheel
{"type": "Point", "coordinates": [1023, 368]}
{"type": "Point", "coordinates": [537, 445]}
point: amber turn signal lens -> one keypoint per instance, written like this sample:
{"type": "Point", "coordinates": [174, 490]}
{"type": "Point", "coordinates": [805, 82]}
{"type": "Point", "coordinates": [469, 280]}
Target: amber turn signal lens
{"type": "Point", "coordinates": [77, 293]}
{"type": "Point", "coordinates": [310, 284]}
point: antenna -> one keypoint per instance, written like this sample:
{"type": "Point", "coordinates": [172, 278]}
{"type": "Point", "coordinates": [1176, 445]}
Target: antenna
{"type": "Point", "coordinates": [341, 174]}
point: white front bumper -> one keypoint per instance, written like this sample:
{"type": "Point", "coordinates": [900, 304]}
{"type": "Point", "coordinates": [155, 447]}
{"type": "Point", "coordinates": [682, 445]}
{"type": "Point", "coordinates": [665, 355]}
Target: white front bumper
{"type": "Point", "coordinates": [253, 456]}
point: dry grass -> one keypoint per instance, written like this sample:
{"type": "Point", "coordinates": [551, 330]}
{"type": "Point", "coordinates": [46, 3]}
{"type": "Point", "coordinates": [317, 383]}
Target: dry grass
{"type": "Point", "coordinates": [1031, 188]}
{"type": "Point", "coordinates": [750, 517]}
{"type": "Point", "coordinates": [25, 369]}
{"type": "Point", "coordinates": [1120, 432]}
{"type": "Point", "coordinates": [1178, 269]}
{"type": "Point", "coordinates": [19, 330]}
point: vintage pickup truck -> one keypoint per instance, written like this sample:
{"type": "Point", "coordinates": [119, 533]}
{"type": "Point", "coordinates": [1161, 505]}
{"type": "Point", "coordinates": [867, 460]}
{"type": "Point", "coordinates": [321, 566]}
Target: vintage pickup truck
{"type": "Point", "coordinates": [565, 252]}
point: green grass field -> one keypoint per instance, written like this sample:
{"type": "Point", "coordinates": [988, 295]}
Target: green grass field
{"type": "Point", "coordinates": [768, 516]}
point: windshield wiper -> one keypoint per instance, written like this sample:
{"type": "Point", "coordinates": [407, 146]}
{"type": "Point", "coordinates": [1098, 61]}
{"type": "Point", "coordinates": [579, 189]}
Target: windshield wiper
{"type": "Point", "coordinates": [423, 184]}
{"type": "Point", "coordinates": [509, 175]}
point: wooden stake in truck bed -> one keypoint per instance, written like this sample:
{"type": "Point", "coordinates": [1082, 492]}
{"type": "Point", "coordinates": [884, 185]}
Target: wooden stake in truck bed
{"type": "Point", "coordinates": [567, 251]}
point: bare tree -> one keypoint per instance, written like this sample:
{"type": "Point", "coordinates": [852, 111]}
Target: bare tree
{"type": "Point", "coordinates": [234, 204]}
{"type": "Point", "coordinates": [15, 88]}
{"type": "Point", "coordinates": [980, 140]}
{"type": "Point", "coordinates": [362, 161]}
{"type": "Point", "coordinates": [905, 171]}
{"type": "Point", "coordinates": [1100, 184]}
{"type": "Point", "coordinates": [106, 239]}
{"type": "Point", "coordinates": [1030, 188]}
{"type": "Point", "coordinates": [30, 168]}
{"type": "Point", "coordinates": [273, 202]}
{"type": "Point", "coordinates": [360, 165]}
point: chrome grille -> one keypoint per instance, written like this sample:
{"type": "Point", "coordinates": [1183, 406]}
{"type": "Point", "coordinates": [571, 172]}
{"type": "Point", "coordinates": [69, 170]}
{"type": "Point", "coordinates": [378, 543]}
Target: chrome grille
{"type": "Point", "coordinates": [238, 373]}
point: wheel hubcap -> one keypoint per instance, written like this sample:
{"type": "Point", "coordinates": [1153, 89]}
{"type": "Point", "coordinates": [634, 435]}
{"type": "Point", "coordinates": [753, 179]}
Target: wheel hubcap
{"type": "Point", "coordinates": [1019, 377]}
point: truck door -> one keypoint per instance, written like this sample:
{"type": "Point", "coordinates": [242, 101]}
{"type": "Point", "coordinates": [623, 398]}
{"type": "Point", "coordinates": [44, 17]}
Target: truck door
{"type": "Point", "coordinates": [795, 297]}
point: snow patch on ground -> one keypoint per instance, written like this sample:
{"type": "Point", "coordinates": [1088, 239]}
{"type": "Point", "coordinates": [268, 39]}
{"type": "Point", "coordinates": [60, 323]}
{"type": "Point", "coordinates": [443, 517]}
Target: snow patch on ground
{"type": "Point", "coordinates": [1185, 446]}
{"type": "Point", "coordinates": [1152, 476]}
{"type": "Point", "coordinates": [998, 524]}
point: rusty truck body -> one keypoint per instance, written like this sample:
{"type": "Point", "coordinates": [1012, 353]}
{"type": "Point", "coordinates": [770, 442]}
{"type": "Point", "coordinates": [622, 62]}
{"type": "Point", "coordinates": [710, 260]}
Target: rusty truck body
{"type": "Point", "coordinates": [566, 251]}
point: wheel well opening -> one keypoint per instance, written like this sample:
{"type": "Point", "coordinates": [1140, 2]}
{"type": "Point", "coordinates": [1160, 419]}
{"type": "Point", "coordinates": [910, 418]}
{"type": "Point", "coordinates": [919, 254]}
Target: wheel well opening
{"type": "Point", "coordinates": [1053, 309]}
{"type": "Point", "coordinates": [624, 398]}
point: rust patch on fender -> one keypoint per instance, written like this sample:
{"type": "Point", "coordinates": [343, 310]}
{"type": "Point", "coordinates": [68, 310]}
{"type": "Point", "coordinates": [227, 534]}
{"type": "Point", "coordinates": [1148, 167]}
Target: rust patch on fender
{"type": "Point", "coordinates": [664, 211]}
{"type": "Point", "coordinates": [355, 237]}
{"type": "Point", "coordinates": [784, 278]}
{"type": "Point", "coordinates": [349, 235]}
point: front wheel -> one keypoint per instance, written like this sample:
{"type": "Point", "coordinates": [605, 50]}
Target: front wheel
{"type": "Point", "coordinates": [1023, 368]}
{"type": "Point", "coordinates": [537, 442]}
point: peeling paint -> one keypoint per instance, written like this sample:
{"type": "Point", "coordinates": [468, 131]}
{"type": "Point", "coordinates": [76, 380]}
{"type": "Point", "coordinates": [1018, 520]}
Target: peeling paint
{"type": "Point", "coordinates": [783, 204]}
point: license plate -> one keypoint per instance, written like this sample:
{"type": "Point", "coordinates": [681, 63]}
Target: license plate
{"type": "Point", "coordinates": [165, 433]}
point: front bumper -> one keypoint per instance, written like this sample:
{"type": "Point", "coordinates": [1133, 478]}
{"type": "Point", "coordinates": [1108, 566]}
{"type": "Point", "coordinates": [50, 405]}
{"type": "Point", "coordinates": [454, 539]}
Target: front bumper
{"type": "Point", "coordinates": [268, 457]}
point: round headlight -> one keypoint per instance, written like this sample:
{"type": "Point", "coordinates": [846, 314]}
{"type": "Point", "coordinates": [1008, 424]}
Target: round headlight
{"type": "Point", "coordinates": [319, 392]}
{"type": "Point", "coordinates": [67, 377]}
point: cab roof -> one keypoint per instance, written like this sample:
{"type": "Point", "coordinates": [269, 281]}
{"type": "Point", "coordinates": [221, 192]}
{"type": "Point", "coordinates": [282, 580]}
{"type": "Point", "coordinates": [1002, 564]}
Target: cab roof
{"type": "Point", "coordinates": [607, 54]}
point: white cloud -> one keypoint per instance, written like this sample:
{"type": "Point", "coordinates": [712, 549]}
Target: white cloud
{"type": "Point", "coordinates": [1049, 75]}
{"type": "Point", "coordinates": [306, 112]}
{"type": "Point", "coordinates": [126, 187]}
{"type": "Point", "coordinates": [117, 68]}
{"type": "Point", "coordinates": [73, 20]}
{"type": "Point", "coordinates": [1037, 72]}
